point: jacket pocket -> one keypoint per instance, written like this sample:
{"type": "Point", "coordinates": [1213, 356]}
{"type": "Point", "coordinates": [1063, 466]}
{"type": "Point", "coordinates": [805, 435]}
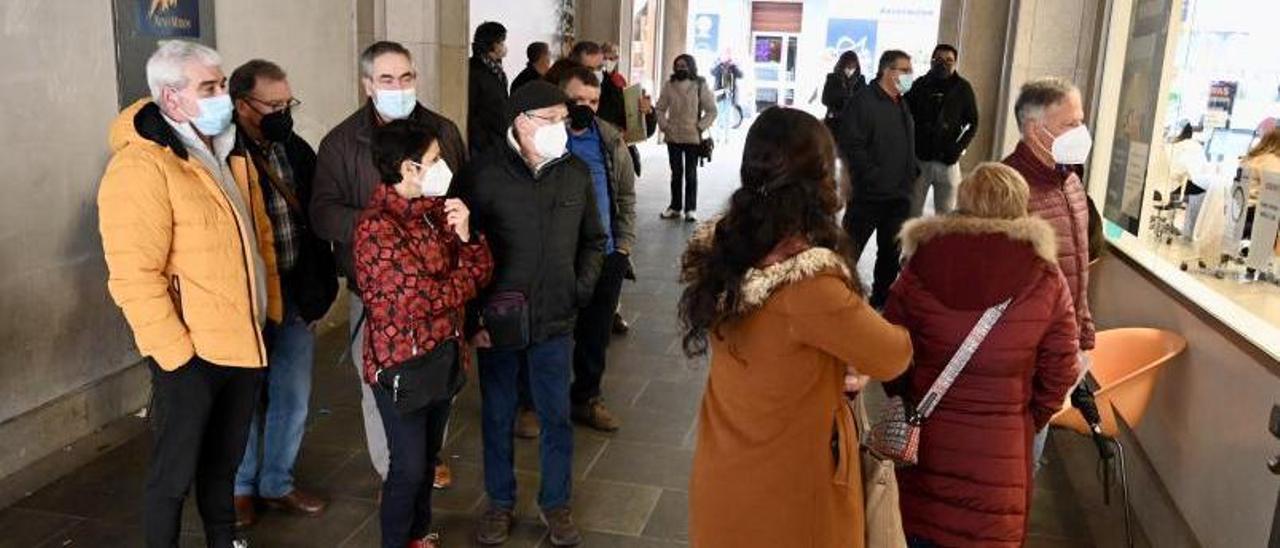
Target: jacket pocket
{"type": "Point", "coordinates": [175, 293]}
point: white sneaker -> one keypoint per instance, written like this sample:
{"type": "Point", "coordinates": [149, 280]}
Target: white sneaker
{"type": "Point", "coordinates": [689, 217]}
{"type": "Point", "coordinates": [669, 214]}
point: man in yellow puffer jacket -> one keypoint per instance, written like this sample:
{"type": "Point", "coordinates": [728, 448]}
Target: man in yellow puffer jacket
{"type": "Point", "coordinates": [191, 263]}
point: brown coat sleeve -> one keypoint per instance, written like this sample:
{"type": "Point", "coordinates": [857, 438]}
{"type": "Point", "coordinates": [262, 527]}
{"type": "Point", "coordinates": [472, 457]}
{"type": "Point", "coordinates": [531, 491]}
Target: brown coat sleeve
{"type": "Point", "coordinates": [826, 314]}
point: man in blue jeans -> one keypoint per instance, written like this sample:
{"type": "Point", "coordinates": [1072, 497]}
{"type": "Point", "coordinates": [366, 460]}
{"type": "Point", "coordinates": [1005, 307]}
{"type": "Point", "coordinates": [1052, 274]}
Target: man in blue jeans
{"type": "Point", "coordinates": [285, 165]}
{"type": "Point", "coordinates": [535, 203]}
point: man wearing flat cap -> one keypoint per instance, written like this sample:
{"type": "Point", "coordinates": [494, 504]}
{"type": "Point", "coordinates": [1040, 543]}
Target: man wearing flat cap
{"type": "Point", "coordinates": [536, 204]}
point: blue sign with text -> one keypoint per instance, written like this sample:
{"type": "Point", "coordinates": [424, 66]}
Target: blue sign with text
{"type": "Point", "coordinates": [858, 35]}
{"type": "Point", "coordinates": [169, 18]}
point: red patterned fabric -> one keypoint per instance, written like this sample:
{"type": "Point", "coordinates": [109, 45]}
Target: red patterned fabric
{"type": "Point", "coordinates": [415, 275]}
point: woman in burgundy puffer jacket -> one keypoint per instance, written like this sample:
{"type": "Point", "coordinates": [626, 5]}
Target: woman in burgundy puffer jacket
{"type": "Point", "coordinates": [417, 263]}
{"type": "Point", "coordinates": [972, 486]}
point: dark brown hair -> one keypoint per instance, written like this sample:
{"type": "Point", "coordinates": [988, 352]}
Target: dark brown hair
{"type": "Point", "coordinates": [788, 189]}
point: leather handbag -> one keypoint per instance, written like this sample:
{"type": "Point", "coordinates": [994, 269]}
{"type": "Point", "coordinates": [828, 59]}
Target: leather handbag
{"type": "Point", "coordinates": [879, 490]}
{"type": "Point", "coordinates": [425, 380]}
{"type": "Point", "coordinates": [896, 436]}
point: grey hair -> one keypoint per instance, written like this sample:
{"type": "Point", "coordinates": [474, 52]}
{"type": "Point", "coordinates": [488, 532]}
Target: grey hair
{"type": "Point", "coordinates": [378, 49]}
{"type": "Point", "coordinates": [166, 67]}
{"type": "Point", "coordinates": [1037, 95]}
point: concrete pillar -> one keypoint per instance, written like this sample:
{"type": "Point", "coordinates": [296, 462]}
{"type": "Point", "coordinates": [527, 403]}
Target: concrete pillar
{"type": "Point", "coordinates": [977, 28]}
{"type": "Point", "coordinates": [675, 33]}
{"type": "Point", "coordinates": [435, 32]}
{"type": "Point", "coordinates": [599, 20]}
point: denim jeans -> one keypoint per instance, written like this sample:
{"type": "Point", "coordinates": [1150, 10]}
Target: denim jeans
{"type": "Point", "coordinates": [375, 436]}
{"type": "Point", "coordinates": [549, 363]}
{"type": "Point", "coordinates": [414, 439]}
{"type": "Point", "coordinates": [288, 388]}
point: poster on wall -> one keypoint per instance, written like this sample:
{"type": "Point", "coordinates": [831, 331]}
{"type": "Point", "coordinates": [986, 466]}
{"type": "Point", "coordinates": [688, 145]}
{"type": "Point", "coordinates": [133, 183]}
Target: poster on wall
{"type": "Point", "coordinates": [858, 35]}
{"type": "Point", "coordinates": [141, 24]}
{"type": "Point", "coordinates": [706, 35]}
{"type": "Point", "coordinates": [1136, 112]}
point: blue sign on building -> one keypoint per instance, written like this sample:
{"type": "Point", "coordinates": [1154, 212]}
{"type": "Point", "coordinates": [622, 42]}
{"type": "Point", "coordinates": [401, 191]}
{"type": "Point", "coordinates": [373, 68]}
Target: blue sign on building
{"type": "Point", "coordinates": [706, 33]}
{"type": "Point", "coordinates": [169, 18]}
{"type": "Point", "coordinates": [858, 35]}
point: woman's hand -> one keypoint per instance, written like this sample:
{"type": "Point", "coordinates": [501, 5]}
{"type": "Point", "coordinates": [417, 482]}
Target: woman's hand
{"type": "Point", "coordinates": [853, 381]}
{"type": "Point", "coordinates": [458, 217]}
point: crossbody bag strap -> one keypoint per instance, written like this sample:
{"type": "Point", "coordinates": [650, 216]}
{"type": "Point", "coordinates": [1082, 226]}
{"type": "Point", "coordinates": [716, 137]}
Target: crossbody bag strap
{"type": "Point", "coordinates": [289, 196]}
{"type": "Point", "coordinates": [959, 360]}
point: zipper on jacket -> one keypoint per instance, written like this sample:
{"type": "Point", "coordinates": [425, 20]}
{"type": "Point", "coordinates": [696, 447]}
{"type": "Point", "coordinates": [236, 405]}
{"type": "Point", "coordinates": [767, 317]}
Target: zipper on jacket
{"type": "Point", "coordinates": [176, 284]}
{"type": "Point", "coordinates": [244, 258]}
{"type": "Point", "coordinates": [1075, 239]}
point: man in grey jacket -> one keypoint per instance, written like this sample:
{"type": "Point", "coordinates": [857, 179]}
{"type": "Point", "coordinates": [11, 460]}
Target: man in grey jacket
{"type": "Point", "coordinates": [601, 147]}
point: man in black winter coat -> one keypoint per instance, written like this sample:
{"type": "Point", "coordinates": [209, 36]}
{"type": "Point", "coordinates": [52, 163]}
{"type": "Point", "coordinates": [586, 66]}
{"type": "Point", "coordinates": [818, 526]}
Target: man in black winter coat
{"type": "Point", "coordinates": [879, 143]}
{"type": "Point", "coordinates": [487, 88]}
{"type": "Point", "coordinates": [286, 165]}
{"type": "Point", "coordinates": [536, 204]}
{"type": "Point", "coordinates": [946, 115]}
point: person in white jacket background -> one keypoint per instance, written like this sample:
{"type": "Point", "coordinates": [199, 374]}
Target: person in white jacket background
{"type": "Point", "coordinates": [1187, 165]}
{"type": "Point", "coordinates": [686, 108]}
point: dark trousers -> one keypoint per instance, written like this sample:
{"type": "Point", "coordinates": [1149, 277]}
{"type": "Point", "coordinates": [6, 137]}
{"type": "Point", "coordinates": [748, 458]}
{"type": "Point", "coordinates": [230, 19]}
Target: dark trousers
{"type": "Point", "coordinates": [593, 330]}
{"type": "Point", "coordinates": [200, 419]}
{"type": "Point", "coordinates": [414, 441]}
{"type": "Point", "coordinates": [885, 219]}
{"type": "Point", "coordinates": [549, 367]}
{"type": "Point", "coordinates": [684, 176]}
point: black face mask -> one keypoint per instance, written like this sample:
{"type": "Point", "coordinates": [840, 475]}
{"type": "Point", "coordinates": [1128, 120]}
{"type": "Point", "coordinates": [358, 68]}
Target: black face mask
{"type": "Point", "coordinates": [682, 74]}
{"type": "Point", "coordinates": [938, 69]}
{"type": "Point", "coordinates": [580, 117]}
{"type": "Point", "coordinates": [277, 127]}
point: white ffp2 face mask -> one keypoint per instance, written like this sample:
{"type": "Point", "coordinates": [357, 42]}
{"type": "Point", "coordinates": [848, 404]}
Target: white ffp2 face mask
{"type": "Point", "coordinates": [1072, 148]}
{"type": "Point", "coordinates": [435, 182]}
{"type": "Point", "coordinates": [551, 141]}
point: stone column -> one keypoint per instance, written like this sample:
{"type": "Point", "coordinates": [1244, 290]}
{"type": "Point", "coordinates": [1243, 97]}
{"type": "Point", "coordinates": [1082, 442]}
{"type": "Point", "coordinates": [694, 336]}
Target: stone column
{"type": "Point", "coordinates": [435, 32]}
{"type": "Point", "coordinates": [675, 31]}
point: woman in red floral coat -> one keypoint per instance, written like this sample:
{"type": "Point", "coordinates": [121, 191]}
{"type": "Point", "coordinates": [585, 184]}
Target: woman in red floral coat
{"type": "Point", "coordinates": [417, 264]}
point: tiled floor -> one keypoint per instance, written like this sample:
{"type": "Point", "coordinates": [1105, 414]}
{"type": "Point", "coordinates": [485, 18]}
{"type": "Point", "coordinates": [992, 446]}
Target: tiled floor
{"type": "Point", "coordinates": [630, 488]}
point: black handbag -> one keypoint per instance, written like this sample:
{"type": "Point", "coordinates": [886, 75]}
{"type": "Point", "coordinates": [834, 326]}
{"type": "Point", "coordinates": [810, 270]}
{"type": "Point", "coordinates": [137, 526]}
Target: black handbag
{"type": "Point", "coordinates": [425, 380]}
{"type": "Point", "coordinates": [506, 317]}
{"type": "Point", "coordinates": [706, 145]}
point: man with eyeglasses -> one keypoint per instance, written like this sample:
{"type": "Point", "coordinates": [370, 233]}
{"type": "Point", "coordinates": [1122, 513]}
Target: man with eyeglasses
{"type": "Point", "coordinates": [346, 178]}
{"type": "Point", "coordinates": [946, 115]}
{"type": "Point", "coordinates": [285, 165]}
{"type": "Point", "coordinates": [536, 204]}
{"type": "Point", "coordinates": [878, 141]}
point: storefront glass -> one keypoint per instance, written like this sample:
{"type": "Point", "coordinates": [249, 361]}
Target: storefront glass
{"type": "Point", "coordinates": [786, 49]}
{"type": "Point", "coordinates": [1183, 189]}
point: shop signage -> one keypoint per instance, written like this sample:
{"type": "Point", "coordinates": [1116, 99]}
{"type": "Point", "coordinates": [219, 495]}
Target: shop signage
{"type": "Point", "coordinates": [858, 35]}
{"type": "Point", "coordinates": [706, 34]}
{"type": "Point", "coordinates": [140, 24]}
{"type": "Point", "coordinates": [1266, 223]}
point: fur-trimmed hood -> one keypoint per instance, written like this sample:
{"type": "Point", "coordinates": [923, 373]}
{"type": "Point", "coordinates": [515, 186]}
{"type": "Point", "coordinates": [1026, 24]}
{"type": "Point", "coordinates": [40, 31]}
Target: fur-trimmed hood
{"type": "Point", "coordinates": [971, 263]}
{"type": "Point", "coordinates": [758, 284]}
{"type": "Point", "coordinates": [1032, 230]}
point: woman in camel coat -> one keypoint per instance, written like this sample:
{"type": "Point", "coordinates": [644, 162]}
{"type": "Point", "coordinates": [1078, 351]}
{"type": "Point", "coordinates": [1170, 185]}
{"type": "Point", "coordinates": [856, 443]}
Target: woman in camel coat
{"type": "Point", "coordinates": [771, 292]}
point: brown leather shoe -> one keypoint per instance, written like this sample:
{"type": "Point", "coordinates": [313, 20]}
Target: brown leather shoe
{"type": "Point", "coordinates": [560, 527]}
{"type": "Point", "coordinates": [495, 526]}
{"type": "Point", "coordinates": [527, 426]}
{"type": "Point", "coordinates": [246, 513]}
{"type": "Point", "coordinates": [298, 502]}
{"type": "Point", "coordinates": [444, 476]}
{"type": "Point", "coordinates": [595, 415]}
